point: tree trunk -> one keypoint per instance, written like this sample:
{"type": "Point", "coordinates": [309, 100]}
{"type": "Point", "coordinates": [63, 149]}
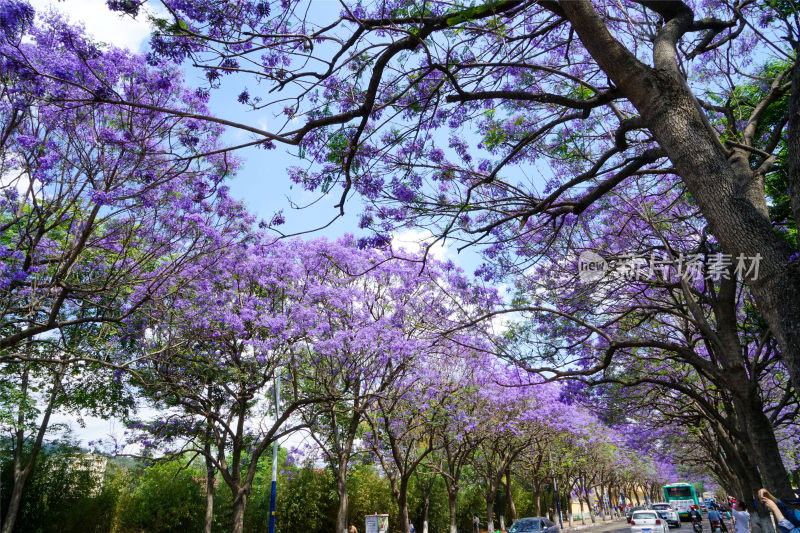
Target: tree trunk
{"type": "Point", "coordinates": [761, 523]}
{"type": "Point", "coordinates": [341, 512]}
{"type": "Point", "coordinates": [208, 524]}
{"type": "Point", "coordinates": [426, 505]}
{"type": "Point", "coordinates": [767, 455]}
{"type": "Point", "coordinates": [589, 506]}
{"type": "Point", "coordinates": [21, 473]}
{"type": "Point", "coordinates": [583, 515]}
{"type": "Point", "coordinates": [239, 504]}
{"type": "Point", "coordinates": [511, 505]}
{"type": "Point", "coordinates": [729, 194]}
{"type": "Point", "coordinates": [20, 477]}
{"type": "Point", "coordinates": [402, 504]}
{"type": "Point", "coordinates": [451, 504]}
{"type": "Point", "coordinates": [537, 499]}
{"type": "Point", "coordinates": [490, 515]}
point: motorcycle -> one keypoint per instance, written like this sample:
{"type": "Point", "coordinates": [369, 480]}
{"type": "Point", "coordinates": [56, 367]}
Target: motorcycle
{"type": "Point", "coordinates": [697, 525]}
{"type": "Point", "coordinates": [716, 526]}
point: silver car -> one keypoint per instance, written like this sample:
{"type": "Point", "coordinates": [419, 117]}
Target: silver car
{"type": "Point", "coordinates": [668, 513]}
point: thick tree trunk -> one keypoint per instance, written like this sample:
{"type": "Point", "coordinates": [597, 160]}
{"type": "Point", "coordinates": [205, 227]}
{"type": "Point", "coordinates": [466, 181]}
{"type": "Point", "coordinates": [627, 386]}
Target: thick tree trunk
{"type": "Point", "coordinates": [452, 495]}
{"type": "Point", "coordinates": [537, 499]}
{"type": "Point", "coordinates": [404, 523]}
{"type": "Point", "coordinates": [490, 515]}
{"type": "Point", "coordinates": [402, 504]}
{"type": "Point", "coordinates": [239, 505]}
{"type": "Point", "coordinates": [767, 455]}
{"type": "Point", "coordinates": [761, 523]}
{"type": "Point", "coordinates": [729, 194]}
{"type": "Point", "coordinates": [341, 512]}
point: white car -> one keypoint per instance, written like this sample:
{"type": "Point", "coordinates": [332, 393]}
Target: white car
{"type": "Point", "coordinates": [668, 513]}
{"type": "Point", "coordinates": [648, 522]}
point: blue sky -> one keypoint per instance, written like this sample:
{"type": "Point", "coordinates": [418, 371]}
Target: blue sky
{"type": "Point", "coordinates": [262, 182]}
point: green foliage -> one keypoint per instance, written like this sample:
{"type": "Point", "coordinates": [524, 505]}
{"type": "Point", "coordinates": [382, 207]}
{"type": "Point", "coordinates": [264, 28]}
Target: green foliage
{"type": "Point", "coordinates": [166, 498]}
{"type": "Point", "coordinates": [471, 13]}
{"type": "Point", "coordinates": [776, 181]}
{"type": "Point", "coordinates": [61, 496]}
{"type": "Point", "coordinates": [307, 503]}
{"type": "Point", "coordinates": [438, 510]}
{"type": "Point", "coordinates": [368, 493]}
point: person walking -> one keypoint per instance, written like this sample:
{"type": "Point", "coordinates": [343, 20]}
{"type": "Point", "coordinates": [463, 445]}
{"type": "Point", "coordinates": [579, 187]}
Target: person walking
{"type": "Point", "coordinates": [352, 528]}
{"type": "Point", "coordinates": [475, 524]}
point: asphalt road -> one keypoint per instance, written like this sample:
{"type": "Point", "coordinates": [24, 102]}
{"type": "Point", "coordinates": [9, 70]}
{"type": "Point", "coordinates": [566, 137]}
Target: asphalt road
{"type": "Point", "coordinates": [620, 526]}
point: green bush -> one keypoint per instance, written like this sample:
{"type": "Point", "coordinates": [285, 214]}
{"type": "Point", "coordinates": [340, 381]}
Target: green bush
{"type": "Point", "coordinates": [60, 496]}
{"type": "Point", "coordinates": [165, 499]}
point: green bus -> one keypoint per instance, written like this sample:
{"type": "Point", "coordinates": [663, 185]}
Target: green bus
{"type": "Point", "coordinates": [680, 496]}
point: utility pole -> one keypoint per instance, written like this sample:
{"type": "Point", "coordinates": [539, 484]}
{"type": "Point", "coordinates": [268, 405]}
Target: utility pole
{"type": "Point", "coordinates": [274, 490]}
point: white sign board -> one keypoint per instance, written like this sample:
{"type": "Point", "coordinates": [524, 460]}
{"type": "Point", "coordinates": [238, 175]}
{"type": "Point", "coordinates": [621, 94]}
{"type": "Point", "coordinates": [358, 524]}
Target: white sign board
{"type": "Point", "coordinates": [376, 523]}
{"type": "Point", "coordinates": [682, 506]}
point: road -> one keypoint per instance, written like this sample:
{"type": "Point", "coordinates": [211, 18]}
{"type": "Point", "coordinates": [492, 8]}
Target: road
{"type": "Point", "coordinates": [620, 526]}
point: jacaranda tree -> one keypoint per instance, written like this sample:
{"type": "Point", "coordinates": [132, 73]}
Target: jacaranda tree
{"type": "Point", "coordinates": [585, 94]}
{"type": "Point", "coordinates": [100, 205]}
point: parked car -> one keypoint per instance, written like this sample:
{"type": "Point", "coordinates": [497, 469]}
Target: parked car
{"type": "Point", "coordinates": [648, 522]}
{"type": "Point", "coordinates": [540, 524]}
{"type": "Point", "coordinates": [668, 513]}
{"type": "Point", "coordinates": [632, 510]}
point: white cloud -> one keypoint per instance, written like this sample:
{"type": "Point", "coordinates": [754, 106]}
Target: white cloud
{"type": "Point", "coordinates": [413, 240]}
{"type": "Point", "coordinates": [101, 23]}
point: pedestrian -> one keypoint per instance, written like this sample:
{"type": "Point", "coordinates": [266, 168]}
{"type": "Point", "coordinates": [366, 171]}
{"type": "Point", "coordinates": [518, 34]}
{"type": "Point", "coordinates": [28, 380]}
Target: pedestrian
{"type": "Point", "coordinates": [352, 528]}
{"type": "Point", "coordinates": [741, 518]}
{"type": "Point", "coordinates": [475, 524]}
{"type": "Point", "coordinates": [411, 528]}
{"type": "Point", "coordinates": [788, 518]}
